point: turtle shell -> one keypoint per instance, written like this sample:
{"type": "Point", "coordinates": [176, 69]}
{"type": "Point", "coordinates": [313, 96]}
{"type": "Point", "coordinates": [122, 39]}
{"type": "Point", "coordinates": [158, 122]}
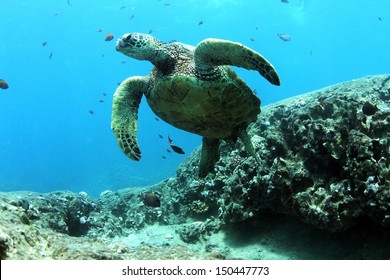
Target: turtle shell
{"type": "Point", "coordinates": [213, 109]}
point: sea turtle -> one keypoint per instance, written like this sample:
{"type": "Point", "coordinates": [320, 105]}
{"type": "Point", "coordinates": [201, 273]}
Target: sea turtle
{"type": "Point", "coordinates": [191, 88]}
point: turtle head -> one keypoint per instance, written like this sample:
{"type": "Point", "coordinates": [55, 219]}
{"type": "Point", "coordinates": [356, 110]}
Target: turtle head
{"type": "Point", "coordinates": [146, 47]}
{"type": "Point", "coordinates": [138, 46]}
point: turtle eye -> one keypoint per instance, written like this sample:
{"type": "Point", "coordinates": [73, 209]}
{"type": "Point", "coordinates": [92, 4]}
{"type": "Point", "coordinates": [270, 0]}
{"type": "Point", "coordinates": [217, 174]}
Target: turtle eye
{"type": "Point", "coordinates": [127, 37]}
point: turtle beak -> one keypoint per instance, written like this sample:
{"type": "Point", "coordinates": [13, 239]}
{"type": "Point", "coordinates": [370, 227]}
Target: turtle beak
{"type": "Point", "coordinates": [119, 44]}
{"type": "Point", "coordinates": [123, 41]}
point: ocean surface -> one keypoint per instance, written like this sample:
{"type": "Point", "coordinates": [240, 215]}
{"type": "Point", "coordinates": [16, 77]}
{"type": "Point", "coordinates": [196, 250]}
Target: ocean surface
{"type": "Point", "coordinates": [60, 70]}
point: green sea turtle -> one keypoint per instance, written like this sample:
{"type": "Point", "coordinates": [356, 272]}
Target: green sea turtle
{"type": "Point", "coordinates": [191, 88]}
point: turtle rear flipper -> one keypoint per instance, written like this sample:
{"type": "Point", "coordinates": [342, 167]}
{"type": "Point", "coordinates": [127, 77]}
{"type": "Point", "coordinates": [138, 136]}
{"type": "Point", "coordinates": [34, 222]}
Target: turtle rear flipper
{"type": "Point", "coordinates": [213, 52]}
{"type": "Point", "coordinates": [124, 120]}
{"type": "Point", "coordinates": [246, 140]}
{"type": "Point", "coordinates": [209, 156]}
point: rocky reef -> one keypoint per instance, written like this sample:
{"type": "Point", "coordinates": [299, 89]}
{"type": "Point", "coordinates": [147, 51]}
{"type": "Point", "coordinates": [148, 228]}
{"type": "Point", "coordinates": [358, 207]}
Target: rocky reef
{"type": "Point", "coordinates": [325, 159]}
{"type": "Point", "coordinates": [56, 226]}
{"type": "Point", "coordinates": [324, 178]}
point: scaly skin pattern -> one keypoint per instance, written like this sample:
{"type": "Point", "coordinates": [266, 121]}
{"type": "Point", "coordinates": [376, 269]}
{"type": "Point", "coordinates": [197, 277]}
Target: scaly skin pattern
{"type": "Point", "coordinates": [191, 88]}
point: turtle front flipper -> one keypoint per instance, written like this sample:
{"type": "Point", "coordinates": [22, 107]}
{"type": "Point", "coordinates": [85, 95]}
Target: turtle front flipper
{"type": "Point", "coordinates": [213, 52]}
{"type": "Point", "coordinates": [209, 156]}
{"type": "Point", "coordinates": [124, 118]}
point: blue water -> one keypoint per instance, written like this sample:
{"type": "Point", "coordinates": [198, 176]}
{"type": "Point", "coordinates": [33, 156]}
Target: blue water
{"type": "Point", "coordinates": [48, 139]}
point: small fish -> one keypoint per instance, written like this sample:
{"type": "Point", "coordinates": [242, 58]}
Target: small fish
{"type": "Point", "coordinates": [255, 91]}
{"type": "Point", "coordinates": [284, 37]}
{"type": "Point", "coordinates": [177, 149]}
{"type": "Point", "coordinates": [131, 17]}
{"type": "Point", "coordinates": [379, 18]}
{"type": "Point", "coordinates": [368, 109]}
{"type": "Point", "coordinates": [150, 31]}
{"type": "Point", "coordinates": [168, 151]}
{"type": "Point", "coordinates": [91, 112]}
{"type": "Point", "coordinates": [285, 1]}
{"type": "Point", "coordinates": [50, 55]}
{"type": "Point", "coordinates": [70, 4]}
{"type": "Point", "coordinates": [56, 14]}
{"type": "Point", "coordinates": [164, 157]}
{"type": "Point", "coordinates": [123, 7]}
{"type": "Point", "coordinates": [104, 94]}
{"type": "Point", "coordinates": [44, 43]}
{"type": "Point", "coordinates": [150, 199]}
{"type": "Point", "coordinates": [122, 62]}
{"type": "Point", "coordinates": [157, 119]}
{"type": "Point", "coordinates": [200, 22]}
{"type": "Point", "coordinates": [160, 136]}
{"type": "Point", "coordinates": [100, 100]}
{"type": "Point", "coordinates": [3, 84]}
{"type": "Point", "coordinates": [108, 37]}
{"type": "Point", "coordinates": [252, 39]}
{"type": "Point", "coordinates": [99, 30]}
{"type": "Point", "coordinates": [167, 4]}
